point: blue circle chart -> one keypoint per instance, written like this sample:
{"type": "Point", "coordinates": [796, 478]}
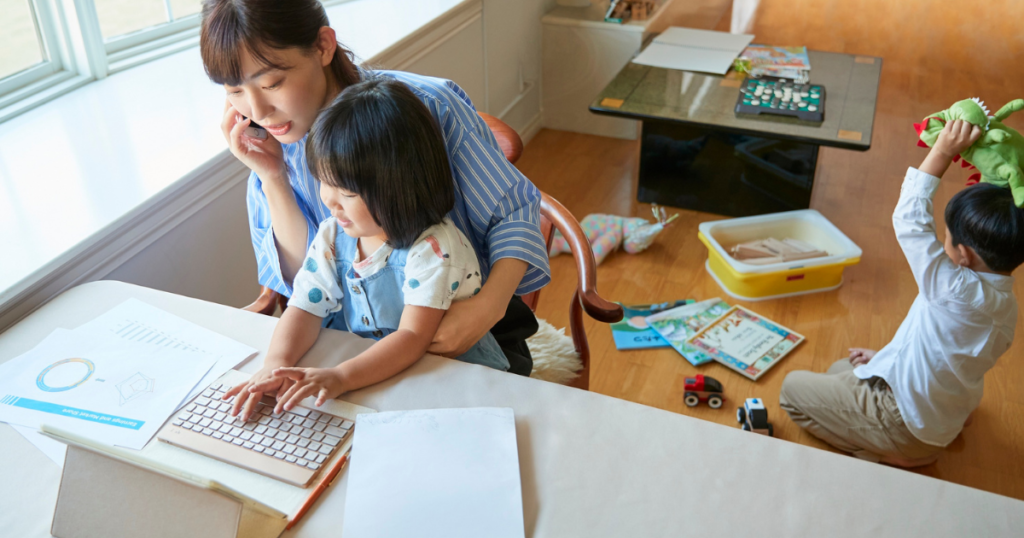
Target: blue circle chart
{"type": "Point", "coordinates": [41, 378]}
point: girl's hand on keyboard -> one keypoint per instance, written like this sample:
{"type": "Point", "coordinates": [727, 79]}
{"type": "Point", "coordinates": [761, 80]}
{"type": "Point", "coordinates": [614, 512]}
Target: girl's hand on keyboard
{"type": "Point", "coordinates": [324, 383]}
{"type": "Point", "coordinates": [250, 392]}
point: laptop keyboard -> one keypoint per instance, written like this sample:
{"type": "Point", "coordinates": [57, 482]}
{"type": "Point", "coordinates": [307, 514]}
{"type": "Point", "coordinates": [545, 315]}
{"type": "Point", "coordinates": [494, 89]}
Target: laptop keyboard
{"type": "Point", "coordinates": [302, 437]}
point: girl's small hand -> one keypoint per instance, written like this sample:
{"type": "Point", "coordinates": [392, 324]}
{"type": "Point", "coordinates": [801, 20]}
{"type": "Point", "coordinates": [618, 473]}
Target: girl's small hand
{"type": "Point", "coordinates": [247, 397]}
{"type": "Point", "coordinates": [265, 157]}
{"type": "Point", "coordinates": [325, 383]}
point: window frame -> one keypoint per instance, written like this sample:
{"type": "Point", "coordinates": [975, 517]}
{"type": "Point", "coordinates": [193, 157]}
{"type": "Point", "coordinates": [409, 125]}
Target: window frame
{"type": "Point", "coordinates": [52, 50]}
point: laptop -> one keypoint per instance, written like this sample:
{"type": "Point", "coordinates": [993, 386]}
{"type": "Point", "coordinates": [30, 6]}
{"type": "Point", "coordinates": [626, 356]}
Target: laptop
{"type": "Point", "coordinates": [291, 446]}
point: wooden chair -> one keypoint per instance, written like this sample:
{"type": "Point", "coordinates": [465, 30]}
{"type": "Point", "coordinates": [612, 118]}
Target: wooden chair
{"type": "Point", "coordinates": [553, 216]}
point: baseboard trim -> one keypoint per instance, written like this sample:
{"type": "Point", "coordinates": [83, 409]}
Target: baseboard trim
{"type": "Point", "coordinates": [110, 247]}
{"type": "Point", "coordinates": [532, 128]}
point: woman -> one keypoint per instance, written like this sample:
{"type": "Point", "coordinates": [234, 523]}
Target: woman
{"type": "Point", "coordinates": [280, 64]}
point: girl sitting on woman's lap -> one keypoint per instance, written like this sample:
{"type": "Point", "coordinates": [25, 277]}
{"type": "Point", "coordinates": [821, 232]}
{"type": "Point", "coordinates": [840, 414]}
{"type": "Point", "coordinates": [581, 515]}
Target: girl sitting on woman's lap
{"type": "Point", "coordinates": [384, 174]}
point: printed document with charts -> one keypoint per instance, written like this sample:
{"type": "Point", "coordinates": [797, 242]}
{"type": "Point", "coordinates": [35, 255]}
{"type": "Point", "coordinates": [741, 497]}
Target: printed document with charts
{"type": "Point", "coordinates": [114, 392]}
{"type": "Point", "coordinates": [114, 379]}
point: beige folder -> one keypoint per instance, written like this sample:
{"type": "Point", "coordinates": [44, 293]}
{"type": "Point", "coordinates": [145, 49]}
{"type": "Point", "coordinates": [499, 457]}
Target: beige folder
{"type": "Point", "coordinates": [108, 492]}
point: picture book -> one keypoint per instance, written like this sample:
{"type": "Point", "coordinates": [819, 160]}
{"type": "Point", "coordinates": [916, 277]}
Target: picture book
{"type": "Point", "coordinates": [677, 325]}
{"type": "Point", "coordinates": [745, 342]}
{"type": "Point", "coordinates": [772, 61]}
{"type": "Point", "coordinates": [633, 332]}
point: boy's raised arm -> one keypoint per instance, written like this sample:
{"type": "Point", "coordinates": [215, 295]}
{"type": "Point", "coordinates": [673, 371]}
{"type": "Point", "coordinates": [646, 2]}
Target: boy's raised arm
{"type": "Point", "coordinates": [913, 219]}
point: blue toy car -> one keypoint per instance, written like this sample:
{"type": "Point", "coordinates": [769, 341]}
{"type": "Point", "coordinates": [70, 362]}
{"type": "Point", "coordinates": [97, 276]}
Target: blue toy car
{"type": "Point", "coordinates": [753, 417]}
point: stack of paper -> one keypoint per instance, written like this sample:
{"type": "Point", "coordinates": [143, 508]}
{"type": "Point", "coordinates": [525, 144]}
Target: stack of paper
{"type": "Point", "coordinates": [115, 379]}
{"type": "Point", "coordinates": [687, 49]}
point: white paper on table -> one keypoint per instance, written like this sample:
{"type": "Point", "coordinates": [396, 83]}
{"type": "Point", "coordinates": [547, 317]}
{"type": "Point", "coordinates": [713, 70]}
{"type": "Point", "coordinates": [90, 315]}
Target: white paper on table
{"type": "Point", "coordinates": [706, 39]}
{"type": "Point", "coordinates": [687, 49]}
{"type": "Point", "coordinates": [55, 450]}
{"type": "Point", "coordinates": [448, 473]}
{"type": "Point", "coordinates": [136, 321]}
{"type": "Point", "coordinates": [108, 389]}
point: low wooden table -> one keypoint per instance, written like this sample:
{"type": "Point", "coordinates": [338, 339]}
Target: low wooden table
{"type": "Point", "coordinates": [696, 153]}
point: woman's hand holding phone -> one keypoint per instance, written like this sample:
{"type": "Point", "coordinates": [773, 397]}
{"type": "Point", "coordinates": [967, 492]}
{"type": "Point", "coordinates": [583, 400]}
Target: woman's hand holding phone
{"type": "Point", "coordinates": [263, 156]}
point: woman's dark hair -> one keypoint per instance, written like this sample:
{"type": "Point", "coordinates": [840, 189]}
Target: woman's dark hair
{"type": "Point", "coordinates": [985, 218]}
{"type": "Point", "coordinates": [378, 140]}
{"type": "Point", "coordinates": [233, 27]}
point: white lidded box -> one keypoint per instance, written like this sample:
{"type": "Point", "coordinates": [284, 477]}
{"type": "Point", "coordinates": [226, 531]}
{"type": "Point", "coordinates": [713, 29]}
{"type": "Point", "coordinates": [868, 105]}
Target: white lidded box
{"type": "Point", "coordinates": [760, 282]}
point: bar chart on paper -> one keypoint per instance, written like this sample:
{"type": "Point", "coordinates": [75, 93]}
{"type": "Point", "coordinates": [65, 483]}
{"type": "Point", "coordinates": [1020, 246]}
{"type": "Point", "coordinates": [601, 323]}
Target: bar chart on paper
{"type": "Point", "coordinates": [137, 331]}
{"type": "Point", "coordinates": [137, 322]}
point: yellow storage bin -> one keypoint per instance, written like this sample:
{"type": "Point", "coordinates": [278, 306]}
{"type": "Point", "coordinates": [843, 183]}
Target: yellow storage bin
{"type": "Point", "coordinates": [761, 282]}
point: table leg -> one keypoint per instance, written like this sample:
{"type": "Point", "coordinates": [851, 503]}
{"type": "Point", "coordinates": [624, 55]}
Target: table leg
{"type": "Point", "coordinates": [725, 173]}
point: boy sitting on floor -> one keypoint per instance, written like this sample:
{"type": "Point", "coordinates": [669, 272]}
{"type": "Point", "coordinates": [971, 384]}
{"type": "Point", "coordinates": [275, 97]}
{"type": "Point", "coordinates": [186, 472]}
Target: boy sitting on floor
{"type": "Point", "coordinates": [905, 403]}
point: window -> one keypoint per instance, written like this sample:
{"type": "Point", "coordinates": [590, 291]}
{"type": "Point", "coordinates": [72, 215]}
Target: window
{"type": "Point", "coordinates": [49, 47]}
{"type": "Point", "coordinates": [20, 46]}
{"type": "Point", "coordinates": [29, 48]}
{"type": "Point", "coordinates": [134, 27]}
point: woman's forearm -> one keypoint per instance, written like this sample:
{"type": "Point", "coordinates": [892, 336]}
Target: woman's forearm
{"type": "Point", "coordinates": [290, 229]}
{"type": "Point", "coordinates": [501, 284]}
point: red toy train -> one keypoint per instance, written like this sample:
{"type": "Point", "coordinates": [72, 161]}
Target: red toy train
{"type": "Point", "coordinates": [701, 388]}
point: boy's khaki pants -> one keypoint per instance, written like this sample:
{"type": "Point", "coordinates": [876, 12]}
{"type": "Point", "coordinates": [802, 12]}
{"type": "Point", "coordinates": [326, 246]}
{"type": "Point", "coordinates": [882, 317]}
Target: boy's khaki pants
{"type": "Point", "coordinates": [855, 415]}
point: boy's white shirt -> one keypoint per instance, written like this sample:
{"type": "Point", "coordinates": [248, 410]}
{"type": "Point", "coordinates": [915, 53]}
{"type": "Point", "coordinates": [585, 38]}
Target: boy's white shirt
{"type": "Point", "coordinates": [438, 260]}
{"type": "Point", "coordinates": [960, 323]}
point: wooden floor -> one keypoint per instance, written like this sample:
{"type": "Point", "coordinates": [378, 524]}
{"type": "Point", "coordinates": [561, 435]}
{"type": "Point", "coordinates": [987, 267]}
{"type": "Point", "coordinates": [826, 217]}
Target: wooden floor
{"type": "Point", "coordinates": [935, 53]}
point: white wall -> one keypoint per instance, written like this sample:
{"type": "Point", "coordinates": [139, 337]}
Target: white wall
{"type": "Point", "coordinates": [209, 255]}
{"type": "Point", "coordinates": [512, 33]}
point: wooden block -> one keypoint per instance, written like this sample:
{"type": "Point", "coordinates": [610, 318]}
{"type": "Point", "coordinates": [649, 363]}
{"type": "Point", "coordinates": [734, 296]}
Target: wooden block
{"type": "Point", "coordinates": [745, 252]}
{"type": "Point", "coordinates": [764, 261]}
{"type": "Point", "coordinates": [612, 103]}
{"type": "Point", "coordinates": [731, 83]}
{"type": "Point", "coordinates": [849, 135]}
{"type": "Point", "coordinates": [864, 60]}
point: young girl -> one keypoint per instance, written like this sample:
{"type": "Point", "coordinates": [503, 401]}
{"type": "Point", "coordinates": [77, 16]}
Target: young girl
{"type": "Point", "coordinates": [280, 64]}
{"type": "Point", "coordinates": [388, 259]}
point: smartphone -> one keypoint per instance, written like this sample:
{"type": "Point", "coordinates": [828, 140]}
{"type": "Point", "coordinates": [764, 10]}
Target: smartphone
{"type": "Point", "coordinates": [254, 130]}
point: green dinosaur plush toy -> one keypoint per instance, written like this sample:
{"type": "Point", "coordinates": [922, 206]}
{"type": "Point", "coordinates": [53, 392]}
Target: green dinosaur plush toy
{"type": "Point", "coordinates": [998, 154]}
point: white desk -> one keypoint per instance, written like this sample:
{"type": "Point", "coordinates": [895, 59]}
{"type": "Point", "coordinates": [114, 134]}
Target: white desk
{"type": "Point", "coordinates": [591, 465]}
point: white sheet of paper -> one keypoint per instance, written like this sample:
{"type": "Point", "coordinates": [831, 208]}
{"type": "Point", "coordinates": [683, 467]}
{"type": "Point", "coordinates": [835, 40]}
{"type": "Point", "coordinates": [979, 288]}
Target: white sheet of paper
{"type": "Point", "coordinates": [108, 389]}
{"type": "Point", "coordinates": [706, 39]}
{"type": "Point", "coordinates": [138, 322]}
{"type": "Point", "coordinates": [688, 49]}
{"type": "Point", "coordinates": [445, 473]}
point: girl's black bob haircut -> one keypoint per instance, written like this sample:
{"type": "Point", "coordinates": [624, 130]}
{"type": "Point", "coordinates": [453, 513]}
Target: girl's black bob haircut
{"type": "Point", "coordinates": [231, 28]}
{"type": "Point", "coordinates": [378, 140]}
